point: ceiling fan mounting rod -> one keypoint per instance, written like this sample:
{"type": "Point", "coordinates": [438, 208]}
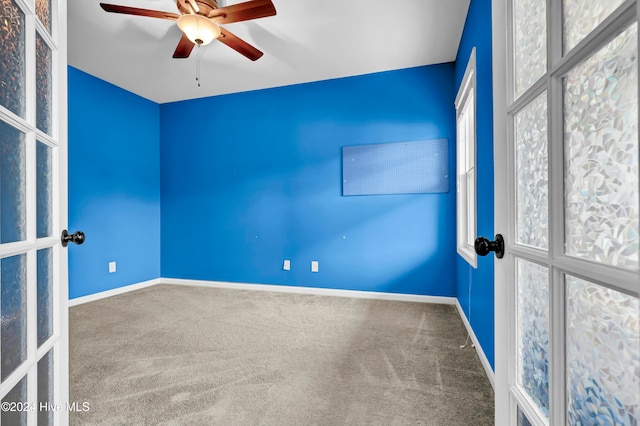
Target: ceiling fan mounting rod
{"type": "Point", "coordinates": [194, 6]}
{"type": "Point", "coordinates": [204, 7]}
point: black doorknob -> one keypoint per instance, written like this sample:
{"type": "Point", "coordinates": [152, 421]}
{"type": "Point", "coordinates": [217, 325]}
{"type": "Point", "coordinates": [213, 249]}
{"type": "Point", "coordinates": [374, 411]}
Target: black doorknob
{"type": "Point", "coordinates": [75, 238]}
{"type": "Point", "coordinates": [483, 246]}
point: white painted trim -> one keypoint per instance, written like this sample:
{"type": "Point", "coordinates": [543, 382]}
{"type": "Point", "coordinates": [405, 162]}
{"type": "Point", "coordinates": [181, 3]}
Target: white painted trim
{"type": "Point", "coordinates": [466, 117]}
{"type": "Point", "coordinates": [60, 197]}
{"type": "Point", "coordinates": [313, 290]}
{"type": "Point", "coordinates": [483, 358]}
{"type": "Point", "coordinates": [502, 87]}
{"type": "Point", "coordinates": [468, 80]}
{"type": "Point", "coordinates": [113, 292]}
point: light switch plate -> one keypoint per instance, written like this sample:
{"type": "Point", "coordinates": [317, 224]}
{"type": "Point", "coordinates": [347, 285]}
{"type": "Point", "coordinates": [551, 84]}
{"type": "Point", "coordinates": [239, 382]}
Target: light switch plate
{"type": "Point", "coordinates": [112, 267]}
{"type": "Point", "coordinates": [314, 266]}
{"type": "Point", "coordinates": [287, 265]}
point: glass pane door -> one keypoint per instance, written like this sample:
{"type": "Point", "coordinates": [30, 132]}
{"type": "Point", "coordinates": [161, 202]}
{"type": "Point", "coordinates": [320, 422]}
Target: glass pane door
{"type": "Point", "coordinates": [33, 372]}
{"type": "Point", "coordinates": [572, 197]}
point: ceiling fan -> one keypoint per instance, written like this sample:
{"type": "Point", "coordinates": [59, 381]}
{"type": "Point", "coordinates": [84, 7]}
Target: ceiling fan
{"type": "Point", "coordinates": [199, 22]}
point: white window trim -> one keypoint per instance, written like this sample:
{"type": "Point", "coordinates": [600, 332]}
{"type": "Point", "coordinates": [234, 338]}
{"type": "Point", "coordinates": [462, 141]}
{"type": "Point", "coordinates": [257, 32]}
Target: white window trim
{"type": "Point", "coordinates": [466, 221]}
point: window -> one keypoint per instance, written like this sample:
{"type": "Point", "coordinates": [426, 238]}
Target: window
{"type": "Point", "coordinates": [466, 163]}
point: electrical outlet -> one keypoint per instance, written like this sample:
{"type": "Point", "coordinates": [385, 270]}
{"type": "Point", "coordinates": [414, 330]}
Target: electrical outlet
{"type": "Point", "coordinates": [314, 266]}
{"type": "Point", "coordinates": [287, 265]}
{"type": "Point", "coordinates": [112, 267]}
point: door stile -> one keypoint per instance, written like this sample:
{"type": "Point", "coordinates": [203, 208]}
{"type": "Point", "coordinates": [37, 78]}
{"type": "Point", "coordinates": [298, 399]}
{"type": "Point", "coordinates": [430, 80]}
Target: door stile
{"type": "Point", "coordinates": [32, 287]}
{"type": "Point", "coordinates": [60, 211]}
{"type": "Point", "coordinates": [555, 129]}
{"type": "Point", "coordinates": [509, 188]}
{"type": "Point", "coordinates": [502, 296]}
{"type": "Point", "coordinates": [509, 258]}
{"type": "Point", "coordinates": [557, 361]}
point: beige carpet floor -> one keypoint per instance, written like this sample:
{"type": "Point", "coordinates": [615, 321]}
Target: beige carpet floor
{"type": "Point", "coordinates": [178, 355]}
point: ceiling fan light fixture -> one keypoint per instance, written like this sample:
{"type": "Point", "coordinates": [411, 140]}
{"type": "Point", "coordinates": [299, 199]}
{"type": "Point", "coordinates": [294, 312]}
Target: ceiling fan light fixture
{"type": "Point", "coordinates": [199, 29]}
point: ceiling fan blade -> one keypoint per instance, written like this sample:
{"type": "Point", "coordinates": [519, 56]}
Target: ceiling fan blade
{"type": "Point", "coordinates": [114, 8]}
{"type": "Point", "coordinates": [245, 11]}
{"type": "Point", "coordinates": [185, 46]}
{"type": "Point", "coordinates": [239, 45]}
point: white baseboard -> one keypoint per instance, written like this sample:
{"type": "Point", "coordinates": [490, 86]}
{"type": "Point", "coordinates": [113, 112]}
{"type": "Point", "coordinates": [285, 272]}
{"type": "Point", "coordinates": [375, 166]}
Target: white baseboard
{"type": "Point", "coordinates": [314, 290]}
{"type": "Point", "coordinates": [483, 358]}
{"type": "Point", "coordinates": [113, 292]}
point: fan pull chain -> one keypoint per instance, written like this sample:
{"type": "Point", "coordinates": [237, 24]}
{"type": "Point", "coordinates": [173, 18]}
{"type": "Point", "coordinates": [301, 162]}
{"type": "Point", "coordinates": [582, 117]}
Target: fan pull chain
{"type": "Point", "coordinates": [198, 64]}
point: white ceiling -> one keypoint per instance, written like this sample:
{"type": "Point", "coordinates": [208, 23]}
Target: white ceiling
{"type": "Point", "coordinates": [306, 41]}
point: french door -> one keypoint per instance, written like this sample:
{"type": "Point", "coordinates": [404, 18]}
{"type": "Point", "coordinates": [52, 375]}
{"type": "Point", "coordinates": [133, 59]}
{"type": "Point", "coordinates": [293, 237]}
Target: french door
{"type": "Point", "coordinates": [566, 140]}
{"type": "Point", "coordinates": [33, 211]}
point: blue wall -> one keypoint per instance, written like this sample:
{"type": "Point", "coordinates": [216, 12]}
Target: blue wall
{"type": "Point", "coordinates": [114, 185]}
{"type": "Point", "coordinates": [254, 178]}
{"type": "Point", "coordinates": [477, 32]}
{"type": "Point", "coordinates": [247, 180]}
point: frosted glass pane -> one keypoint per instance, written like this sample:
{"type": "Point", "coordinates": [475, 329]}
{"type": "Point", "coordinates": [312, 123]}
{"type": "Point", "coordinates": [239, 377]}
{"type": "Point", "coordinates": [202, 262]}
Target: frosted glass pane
{"type": "Point", "coordinates": [601, 155]}
{"type": "Point", "coordinates": [581, 17]}
{"type": "Point", "coordinates": [13, 212]}
{"type": "Point", "coordinates": [43, 190]}
{"type": "Point", "coordinates": [603, 355]}
{"type": "Point", "coordinates": [529, 42]}
{"type": "Point", "coordinates": [531, 174]}
{"type": "Point", "coordinates": [522, 419]}
{"type": "Point", "coordinates": [43, 10]}
{"type": "Point", "coordinates": [43, 85]}
{"type": "Point", "coordinates": [17, 394]}
{"type": "Point", "coordinates": [533, 332]}
{"type": "Point", "coordinates": [45, 388]}
{"type": "Point", "coordinates": [12, 57]}
{"type": "Point", "coordinates": [13, 308]}
{"type": "Point", "coordinates": [45, 295]}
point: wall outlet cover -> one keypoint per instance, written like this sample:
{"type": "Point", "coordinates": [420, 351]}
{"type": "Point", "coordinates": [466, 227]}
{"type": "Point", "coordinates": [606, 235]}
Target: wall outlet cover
{"type": "Point", "coordinates": [287, 265]}
{"type": "Point", "coordinates": [314, 266]}
{"type": "Point", "coordinates": [112, 267]}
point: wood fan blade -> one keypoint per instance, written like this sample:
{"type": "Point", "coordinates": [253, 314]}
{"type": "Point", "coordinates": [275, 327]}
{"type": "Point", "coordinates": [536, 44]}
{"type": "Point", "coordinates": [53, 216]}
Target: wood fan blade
{"type": "Point", "coordinates": [114, 8]}
{"type": "Point", "coordinates": [239, 45]}
{"type": "Point", "coordinates": [185, 46]}
{"type": "Point", "coordinates": [245, 11]}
